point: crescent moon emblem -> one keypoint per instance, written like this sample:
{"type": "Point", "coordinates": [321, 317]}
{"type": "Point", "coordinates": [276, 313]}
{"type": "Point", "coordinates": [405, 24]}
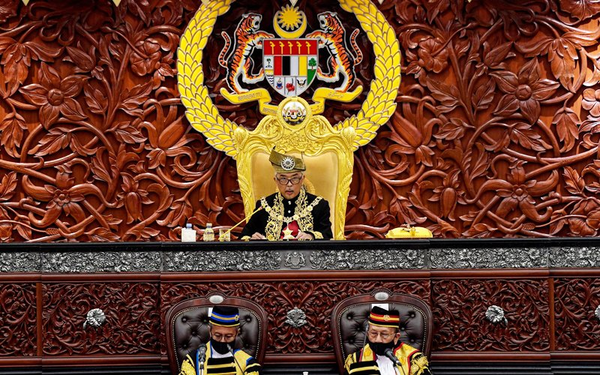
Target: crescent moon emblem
{"type": "Point", "coordinates": [289, 34]}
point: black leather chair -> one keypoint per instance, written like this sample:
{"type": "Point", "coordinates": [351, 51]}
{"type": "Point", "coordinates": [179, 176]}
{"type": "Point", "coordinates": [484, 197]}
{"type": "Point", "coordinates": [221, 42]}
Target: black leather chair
{"type": "Point", "coordinates": [187, 327]}
{"type": "Point", "coordinates": [349, 320]}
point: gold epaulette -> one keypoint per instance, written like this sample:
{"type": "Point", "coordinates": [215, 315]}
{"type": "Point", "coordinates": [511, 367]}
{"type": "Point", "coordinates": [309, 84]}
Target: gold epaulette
{"type": "Point", "coordinates": [187, 367]}
{"type": "Point", "coordinates": [418, 363]}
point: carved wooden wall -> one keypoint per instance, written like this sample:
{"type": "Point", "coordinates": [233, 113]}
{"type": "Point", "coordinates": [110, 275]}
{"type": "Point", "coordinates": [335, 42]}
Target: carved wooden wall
{"type": "Point", "coordinates": [495, 134]}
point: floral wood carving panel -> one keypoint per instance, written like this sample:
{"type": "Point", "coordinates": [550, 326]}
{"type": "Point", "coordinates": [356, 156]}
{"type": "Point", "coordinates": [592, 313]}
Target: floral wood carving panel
{"type": "Point", "coordinates": [575, 304]}
{"type": "Point", "coordinates": [315, 298]}
{"type": "Point", "coordinates": [495, 133]}
{"type": "Point", "coordinates": [18, 320]}
{"type": "Point", "coordinates": [459, 312]}
{"type": "Point", "coordinates": [132, 319]}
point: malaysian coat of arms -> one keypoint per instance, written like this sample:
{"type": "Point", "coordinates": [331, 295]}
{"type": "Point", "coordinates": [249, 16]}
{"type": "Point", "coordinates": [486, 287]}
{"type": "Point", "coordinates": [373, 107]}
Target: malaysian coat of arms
{"type": "Point", "coordinates": [292, 59]}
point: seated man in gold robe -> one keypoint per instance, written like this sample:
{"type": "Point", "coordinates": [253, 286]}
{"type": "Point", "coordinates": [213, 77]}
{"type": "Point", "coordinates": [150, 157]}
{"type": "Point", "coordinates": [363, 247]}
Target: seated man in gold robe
{"type": "Point", "coordinates": [292, 212]}
{"type": "Point", "coordinates": [218, 356]}
{"type": "Point", "coordinates": [384, 353]}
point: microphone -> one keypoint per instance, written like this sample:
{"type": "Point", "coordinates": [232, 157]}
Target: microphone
{"type": "Point", "coordinates": [201, 355]}
{"type": "Point", "coordinates": [390, 354]}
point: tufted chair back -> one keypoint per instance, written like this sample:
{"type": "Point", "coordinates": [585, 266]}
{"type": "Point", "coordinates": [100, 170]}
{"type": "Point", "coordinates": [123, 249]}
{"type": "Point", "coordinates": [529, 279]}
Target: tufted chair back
{"type": "Point", "coordinates": [349, 320]}
{"type": "Point", "coordinates": [187, 327]}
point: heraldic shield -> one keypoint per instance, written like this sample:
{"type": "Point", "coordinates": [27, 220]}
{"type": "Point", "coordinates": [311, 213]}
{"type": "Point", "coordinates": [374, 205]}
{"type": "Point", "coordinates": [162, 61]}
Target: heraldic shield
{"type": "Point", "coordinates": [290, 65]}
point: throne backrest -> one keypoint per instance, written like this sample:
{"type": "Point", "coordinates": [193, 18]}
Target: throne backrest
{"type": "Point", "coordinates": [187, 327]}
{"type": "Point", "coordinates": [349, 321]}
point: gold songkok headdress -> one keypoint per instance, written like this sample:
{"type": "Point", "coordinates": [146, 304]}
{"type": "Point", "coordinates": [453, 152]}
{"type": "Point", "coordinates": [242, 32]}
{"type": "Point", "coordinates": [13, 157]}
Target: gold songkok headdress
{"type": "Point", "coordinates": [286, 163]}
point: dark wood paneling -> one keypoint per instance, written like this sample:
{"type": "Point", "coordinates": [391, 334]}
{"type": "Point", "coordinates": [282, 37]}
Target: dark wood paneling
{"type": "Point", "coordinates": [132, 319]}
{"type": "Point", "coordinates": [18, 320]}
{"type": "Point", "coordinates": [134, 332]}
{"type": "Point", "coordinates": [459, 308]}
{"type": "Point", "coordinates": [575, 301]}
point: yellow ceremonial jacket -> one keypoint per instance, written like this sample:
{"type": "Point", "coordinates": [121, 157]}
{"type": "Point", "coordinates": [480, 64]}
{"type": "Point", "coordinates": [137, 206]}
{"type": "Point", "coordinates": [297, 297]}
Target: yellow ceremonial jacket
{"type": "Point", "coordinates": [244, 364]}
{"type": "Point", "coordinates": [364, 361]}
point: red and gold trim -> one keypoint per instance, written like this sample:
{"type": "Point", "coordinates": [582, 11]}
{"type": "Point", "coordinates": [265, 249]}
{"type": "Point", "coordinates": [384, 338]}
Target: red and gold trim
{"type": "Point", "coordinates": [384, 320]}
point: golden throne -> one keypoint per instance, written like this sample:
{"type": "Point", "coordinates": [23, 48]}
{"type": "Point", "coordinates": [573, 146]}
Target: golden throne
{"type": "Point", "coordinates": [327, 153]}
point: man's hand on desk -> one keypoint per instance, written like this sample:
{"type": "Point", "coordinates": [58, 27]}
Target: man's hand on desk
{"type": "Point", "coordinates": [258, 236]}
{"type": "Point", "coordinates": [302, 236]}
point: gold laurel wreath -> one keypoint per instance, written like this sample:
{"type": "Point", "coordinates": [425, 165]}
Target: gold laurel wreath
{"type": "Point", "coordinates": [381, 99]}
{"type": "Point", "coordinates": [219, 132]}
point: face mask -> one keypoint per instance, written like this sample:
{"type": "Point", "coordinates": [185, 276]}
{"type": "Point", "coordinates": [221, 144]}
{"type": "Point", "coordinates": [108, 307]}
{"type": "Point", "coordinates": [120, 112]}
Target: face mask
{"type": "Point", "coordinates": [220, 347]}
{"type": "Point", "coordinates": [380, 347]}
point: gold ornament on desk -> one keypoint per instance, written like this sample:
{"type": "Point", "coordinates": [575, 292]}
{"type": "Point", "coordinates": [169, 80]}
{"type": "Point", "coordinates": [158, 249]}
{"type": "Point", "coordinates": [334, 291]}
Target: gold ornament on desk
{"type": "Point", "coordinates": [409, 232]}
{"type": "Point", "coordinates": [295, 126]}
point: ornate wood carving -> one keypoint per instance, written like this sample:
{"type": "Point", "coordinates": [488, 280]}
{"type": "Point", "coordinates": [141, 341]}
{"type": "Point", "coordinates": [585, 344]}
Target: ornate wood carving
{"type": "Point", "coordinates": [132, 319]}
{"type": "Point", "coordinates": [18, 321]}
{"type": "Point", "coordinates": [315, 298]}
{"type": "Point", "coordinates": [495, 134]}
{"type": "Point", "coordinates": [459, 308]}
{"type": "Point", "coordinates": [135, 312]}
{"type": "Point", "coordinates": [575, 304]}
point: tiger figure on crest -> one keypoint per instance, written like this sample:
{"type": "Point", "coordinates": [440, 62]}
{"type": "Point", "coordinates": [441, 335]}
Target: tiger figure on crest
{"type": "Point", "coordinates": [342, 61]}
{"type": "Point", "coordinates": [248, 37]}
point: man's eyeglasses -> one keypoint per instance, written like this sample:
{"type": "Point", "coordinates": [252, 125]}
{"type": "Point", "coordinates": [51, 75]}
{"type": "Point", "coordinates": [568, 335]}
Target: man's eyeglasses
{"type": "Point", "coordinates": [384, 336]}
{"type": "Point", "coordinates": [284, 181]}
{"type": "Point", "coordinates": [220, 337]}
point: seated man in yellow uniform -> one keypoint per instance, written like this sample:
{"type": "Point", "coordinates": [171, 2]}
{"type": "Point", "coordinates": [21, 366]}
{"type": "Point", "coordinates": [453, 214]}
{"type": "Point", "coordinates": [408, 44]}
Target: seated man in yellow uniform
{"type": "Point", "coordinates": [218, 356]}
{"type": "Point", "coordinates": [384, 353]}
{"type": "Point", "coordinates": [291, 213]}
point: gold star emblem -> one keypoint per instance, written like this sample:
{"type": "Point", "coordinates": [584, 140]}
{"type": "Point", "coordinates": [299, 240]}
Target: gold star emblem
{"type": "Point", "coordinates": [386, 318]}
{"type": "Point", "coordinates": [287, 234]}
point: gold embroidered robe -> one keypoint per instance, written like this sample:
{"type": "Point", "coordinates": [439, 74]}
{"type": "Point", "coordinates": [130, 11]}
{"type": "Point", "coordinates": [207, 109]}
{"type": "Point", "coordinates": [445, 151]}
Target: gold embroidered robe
{"type": "Point", "coordinates": [363, 362]}
{"type": "Point", "coordinates": [241, 363]}
{"type": "Point", "coordinates": [309, 211]}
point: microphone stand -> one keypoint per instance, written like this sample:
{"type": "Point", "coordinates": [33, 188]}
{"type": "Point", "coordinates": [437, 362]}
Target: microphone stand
{"type": "Point", "coordinates": [401, 369]}
{"type": "Point", "coordinates": [241, 221]}
{"type": "Point", "coordinates": [201, 356]}
{"type": "Point", "coordinates": [396, 362]}
{"type": "Point", "coordinates": [201, 368]}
